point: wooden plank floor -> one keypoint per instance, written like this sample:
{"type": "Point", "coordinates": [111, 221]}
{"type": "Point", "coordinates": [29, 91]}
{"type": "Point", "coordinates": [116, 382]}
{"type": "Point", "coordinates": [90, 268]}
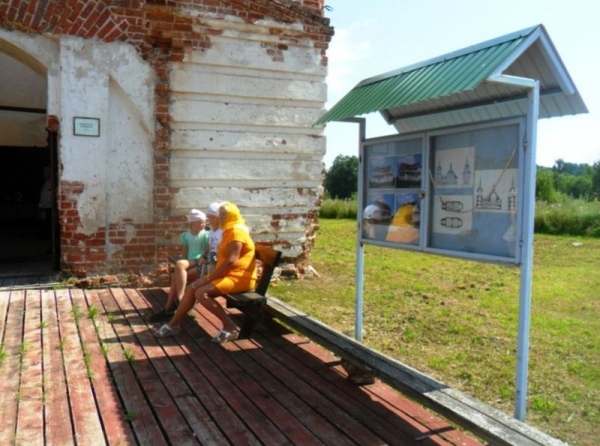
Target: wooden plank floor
{"type": "Point", "coordinates": [82, 367]}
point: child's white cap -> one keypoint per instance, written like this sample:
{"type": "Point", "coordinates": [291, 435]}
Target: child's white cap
{"type": "Point", "coordinates": [196, 215]}
{"type": "Point", "coordinates": [213, 209]}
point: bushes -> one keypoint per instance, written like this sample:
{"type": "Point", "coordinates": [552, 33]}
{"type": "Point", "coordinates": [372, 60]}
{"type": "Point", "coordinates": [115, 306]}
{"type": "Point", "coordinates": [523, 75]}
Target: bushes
{"type": "Point", "coordinates": [566, 217]}
{"type": "Point", "coordinates": [336, 208]}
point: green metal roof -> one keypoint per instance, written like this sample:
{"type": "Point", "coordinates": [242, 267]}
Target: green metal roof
{"type": "Point", "coordinates": [451, 74]}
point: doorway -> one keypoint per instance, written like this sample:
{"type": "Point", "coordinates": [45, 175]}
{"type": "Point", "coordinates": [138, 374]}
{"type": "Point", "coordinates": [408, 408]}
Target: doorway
{"type": "Point", "coordinates": [29, 240]}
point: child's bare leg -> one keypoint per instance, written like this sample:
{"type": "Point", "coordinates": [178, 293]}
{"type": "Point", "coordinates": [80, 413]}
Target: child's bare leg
{"type": "Point", "coordinates": [178, 282]}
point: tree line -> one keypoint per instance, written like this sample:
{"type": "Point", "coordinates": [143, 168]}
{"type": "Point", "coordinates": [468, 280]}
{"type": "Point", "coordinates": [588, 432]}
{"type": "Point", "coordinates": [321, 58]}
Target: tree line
{"type": "Point", "coordinates": [563, 180]}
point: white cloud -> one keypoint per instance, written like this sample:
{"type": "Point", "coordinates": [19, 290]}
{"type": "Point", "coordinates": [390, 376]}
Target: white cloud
{"type": "Point", "coordinates": [345, 54]}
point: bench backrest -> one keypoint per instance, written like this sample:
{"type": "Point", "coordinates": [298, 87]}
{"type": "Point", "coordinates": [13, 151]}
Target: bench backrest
{"type": "Point", "coordinates": [269, 259]}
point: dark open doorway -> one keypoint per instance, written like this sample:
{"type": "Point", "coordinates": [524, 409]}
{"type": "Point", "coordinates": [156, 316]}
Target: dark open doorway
{"type": "Point", "coordinates": [28, 232]}
{"type": "Point", "coordinates": [29, 240]}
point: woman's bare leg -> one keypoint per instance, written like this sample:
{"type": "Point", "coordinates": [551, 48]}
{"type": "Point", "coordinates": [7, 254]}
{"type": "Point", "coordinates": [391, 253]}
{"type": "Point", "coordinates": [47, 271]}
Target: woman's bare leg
{"type": "Point", "coordinates": [185, 305]}
{"type": "Point", "coordinates": [215, 308]}
{"type": "Point", "coordinates": [188, 301]}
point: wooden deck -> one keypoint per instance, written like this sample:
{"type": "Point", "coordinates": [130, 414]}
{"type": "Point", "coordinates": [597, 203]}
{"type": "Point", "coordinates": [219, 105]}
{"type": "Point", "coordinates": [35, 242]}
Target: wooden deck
{"type": "Point", "coordinates": [82, 367]}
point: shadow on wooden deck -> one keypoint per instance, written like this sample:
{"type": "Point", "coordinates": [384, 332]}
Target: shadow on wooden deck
{"type": "Point", "coordinates": [82, 367]}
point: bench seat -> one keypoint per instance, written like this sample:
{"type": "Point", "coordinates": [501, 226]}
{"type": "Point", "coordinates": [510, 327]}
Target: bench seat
{"type": "Point", "coordinates": [251, 302]}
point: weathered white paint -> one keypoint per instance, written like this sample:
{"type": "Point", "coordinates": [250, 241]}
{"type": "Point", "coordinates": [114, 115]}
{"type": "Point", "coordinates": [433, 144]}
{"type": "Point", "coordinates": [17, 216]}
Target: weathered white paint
{"type": "Point", "coordinates": [208, 80]}
{"type": "Point", "coordinates": [263, 170]}
{"type": "Point", "coordinates": [73, 77]}
{"type": "Point", "coordinates": [242, 113]}
{"type": "Point", "coordinates": [259, 200]}
{"type": "Point", "coordinates": [129, 159]}
{"type": "Point", "coordinates": [109, 82]}
{"type": "Point", "coordinates": [242, 128]}
{"type": "Point", "coordinates": [257, 141]}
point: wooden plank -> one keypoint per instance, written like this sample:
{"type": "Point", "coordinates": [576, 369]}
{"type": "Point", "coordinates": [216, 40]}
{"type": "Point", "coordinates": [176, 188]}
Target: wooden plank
{"type": "Point", "coordinates": [328, 367]}
{"type": "Point", "coordinates": [10, 369]}
{"type": "Point", "coordinates": [312, 409]}
{"type": "Point", "coordinates": [215, 396]}
{"type": "Point", "coordinates": [33, 280]}
{"type": "Point", "coordinates": [7, 282]}
{"type": "Point", "coordinates": [162, 383]}
{"type": "Point", "coordinates": [228, 379]}
{"type": "Point", "coordinates": [436, 428]}
{"type": "Point", "coordinates": [167, 414]}
{"type": "Point", "coordinates": [57, 416]}
{"type": "Point", "coordinates": [388, 424]}
{"type": "Point", "coordinates": [4, 299]}
{"type": "Point", "coordinates": [225, 376]}
{"type": "Point", "coordinates": [484, 421]}
{"type": "Point", "coordinates": [21, 281]}
{"type": "Point", "coordinates": [192, 406]}
{"type": "Point", "coordinates": [10, 383]}
{"type": "Point", "coordinates": [398, 411]}
{"type": "Point", "coordinates": [86, 422]}
{"type": "Point", "coordinates": [30, 416]}
{"type": "Point", "coordinates": [111, 411]}
{"type": "Point", "coordinates": [139, 414]}
{"type": "Point", "coordinates": [340, 393]}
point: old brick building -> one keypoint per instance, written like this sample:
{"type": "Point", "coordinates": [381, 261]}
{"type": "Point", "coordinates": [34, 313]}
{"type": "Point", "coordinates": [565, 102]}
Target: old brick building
{"type": "Point", "coordinates": [147, 108]}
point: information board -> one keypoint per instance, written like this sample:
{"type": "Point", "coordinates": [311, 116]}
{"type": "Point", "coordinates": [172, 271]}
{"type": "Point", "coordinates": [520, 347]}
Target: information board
{"type": "Point", "coordinates": [453, 192]}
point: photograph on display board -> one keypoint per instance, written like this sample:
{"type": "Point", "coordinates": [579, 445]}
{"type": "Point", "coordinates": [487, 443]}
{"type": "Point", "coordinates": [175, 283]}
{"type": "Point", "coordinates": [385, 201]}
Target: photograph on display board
{"type": "Point", "coordinates": [409, 171]}
{"type": "Point", "coordinates": [404, 226]}
{"type": "Point", "coordinates": [382, 171]}
{"type": "Point", "coordinates": [377, 216]}
{"type": "Point", "coordinates": [454, 168]}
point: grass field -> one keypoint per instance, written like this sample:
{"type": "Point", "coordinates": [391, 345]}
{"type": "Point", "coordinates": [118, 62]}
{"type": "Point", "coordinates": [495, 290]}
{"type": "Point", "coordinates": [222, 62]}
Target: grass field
{"type": "Point", "coordinates": [457, 321]}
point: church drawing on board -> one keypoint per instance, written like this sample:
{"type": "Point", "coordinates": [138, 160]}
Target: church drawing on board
{"type": "Point", "coordinates": [450, 178]}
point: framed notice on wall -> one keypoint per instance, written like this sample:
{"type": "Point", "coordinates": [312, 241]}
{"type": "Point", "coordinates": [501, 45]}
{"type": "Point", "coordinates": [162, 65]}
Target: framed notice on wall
{"type": "Point", "coordinates": [86, 126]}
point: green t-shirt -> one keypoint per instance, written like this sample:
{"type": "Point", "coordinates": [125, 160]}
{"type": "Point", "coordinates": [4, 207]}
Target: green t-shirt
{"type": "Point", "coordinates": [196, 244]}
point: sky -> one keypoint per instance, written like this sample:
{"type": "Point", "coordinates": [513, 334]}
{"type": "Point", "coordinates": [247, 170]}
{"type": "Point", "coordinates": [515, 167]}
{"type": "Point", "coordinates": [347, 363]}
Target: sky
{"type": "Point", "coordinates": [376, 36]}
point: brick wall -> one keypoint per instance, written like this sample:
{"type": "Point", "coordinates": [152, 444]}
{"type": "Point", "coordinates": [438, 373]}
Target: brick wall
{"type": "Point", "coordinates": [161, 32]}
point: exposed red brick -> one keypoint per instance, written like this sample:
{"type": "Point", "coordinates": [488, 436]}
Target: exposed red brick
{"type": "Point", "coordinates": [162, 34]}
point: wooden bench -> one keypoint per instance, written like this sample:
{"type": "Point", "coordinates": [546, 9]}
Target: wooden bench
{"type": "Point", "coordinates": [251, 302]}
{"type": "Point", "coordinates": [482, 420]}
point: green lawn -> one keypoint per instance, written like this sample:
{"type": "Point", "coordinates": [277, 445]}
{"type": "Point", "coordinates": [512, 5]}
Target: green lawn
{"type": "Point", "coordinates": [457, 320]}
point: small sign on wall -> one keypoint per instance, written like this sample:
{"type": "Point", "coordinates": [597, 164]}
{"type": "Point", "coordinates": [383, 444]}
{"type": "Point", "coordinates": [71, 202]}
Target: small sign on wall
{"type": "Point", "coordinates": [86, 126]}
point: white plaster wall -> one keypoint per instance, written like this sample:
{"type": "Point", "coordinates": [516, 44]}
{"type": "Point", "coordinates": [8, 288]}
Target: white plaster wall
{"type": "Point", "coordinates": [109, 82]}
{"type": "Point", "coordinates": [27, 62]}
{"type": "Point", "coordinates": [242, 128]}
{"type": "Point", "coordinates": [129, 160]}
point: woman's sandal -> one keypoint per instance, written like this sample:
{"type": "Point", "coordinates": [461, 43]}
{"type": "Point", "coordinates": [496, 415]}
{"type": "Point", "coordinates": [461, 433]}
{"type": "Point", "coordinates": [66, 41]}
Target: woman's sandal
{"type": "Point", "coordinates": [226, 336]}
{"type": "Point", "coordinates": [166, 331]}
